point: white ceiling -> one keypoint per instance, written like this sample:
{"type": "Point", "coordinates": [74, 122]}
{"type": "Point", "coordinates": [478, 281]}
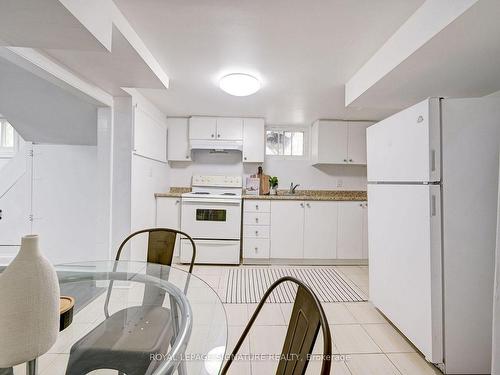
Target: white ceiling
{"type": "Point", "coordinates": [303, 52]}
{"type": "Point", "coordinates": [123, 67]}
{"type": "Point", "coordinates": [463, 60]}
{"type": "Point", "coordinates": [44, 24]}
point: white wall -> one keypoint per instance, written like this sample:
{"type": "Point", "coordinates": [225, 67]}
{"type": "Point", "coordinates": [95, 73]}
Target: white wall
{"type": "Point", "coordinates": [297, 171]}
{"type": "Point", "coordinates": [3, 162]}
{"type": "Point", "coordinates": [64, 201]}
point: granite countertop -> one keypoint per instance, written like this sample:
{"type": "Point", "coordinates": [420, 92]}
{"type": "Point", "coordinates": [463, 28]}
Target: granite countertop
{"type": "Point", "coordinates": [175, 192]}
{"type": "Point", "coordinates": [314, 195]}
{"type": "Point", "coordinates": [300, 195]}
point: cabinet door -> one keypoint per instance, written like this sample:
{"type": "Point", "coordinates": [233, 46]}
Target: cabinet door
{"type": "Point", "coordinates": [356, 144]}
{"type": "Point", "coordinates": [287, 229]}
{"type": "Point", "coordinates": [178, 143]}
{"type": "Point", "coordinates": [350, 229]}
{"type": "Point", "coordinates": [320, 230]}
{"type": "Point", "coordinates": [202, 127]}
{"type": "Point", "coordinates": [253, 140]}
{"type": "Point", "coordinates": [332, 142]}
{"type": "Point", "coordinates": [365, 230]}
{"type": "Point", "coordinates": [168, 215]}
{"type": "Point", "coordinates": [229, 128]}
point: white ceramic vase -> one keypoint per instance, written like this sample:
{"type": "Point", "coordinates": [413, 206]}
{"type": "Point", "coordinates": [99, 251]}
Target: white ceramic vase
{"type": "Point", "coordinates": [29, 305]}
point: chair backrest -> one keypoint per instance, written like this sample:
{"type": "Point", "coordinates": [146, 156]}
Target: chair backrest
{"type": "Point", "coordinates": [306, 319]}
{"type": "Point", "coordinates": [161, 244]}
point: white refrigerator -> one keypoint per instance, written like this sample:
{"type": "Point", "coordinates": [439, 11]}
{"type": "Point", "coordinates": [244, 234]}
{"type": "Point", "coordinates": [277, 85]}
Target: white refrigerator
{"type": "Point", "coordinates": [432, 192]}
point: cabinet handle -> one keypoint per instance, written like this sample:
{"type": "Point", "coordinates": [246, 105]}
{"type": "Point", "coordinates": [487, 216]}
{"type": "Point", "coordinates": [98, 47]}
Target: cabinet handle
{"type": "Point", "coordinates": [256, 249]}
{"type": "Point", "coordinates": [256, 206]}
{"type": "Point", "coordinates": [345, 160]}
{"type": "Point", "coordinates": [361, 205]}
{"type": "Point", "coordinates": [302, 205]}
{"type": "Point", "coordinates": [213, 135]}
{"type": "Point", "coordinates": [218, 135]}
{"type": "Point", "coordinates": [308, 205]}
{"type": "Point", "coordinates": [177, 201]}
{"type": "Point", "coordinates": [256, 219]}
{"type": "Point", "coordinates": [187, 156]}
{"type": "Point", "coordinates": [245, 158]}
{"type": "Point", "coordinates": [256, 232]}
{"type": "Point", "coordinates": [350, 160]}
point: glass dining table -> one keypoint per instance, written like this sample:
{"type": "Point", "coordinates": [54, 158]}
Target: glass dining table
{"type": "Point", "coordinates": [105, 289]}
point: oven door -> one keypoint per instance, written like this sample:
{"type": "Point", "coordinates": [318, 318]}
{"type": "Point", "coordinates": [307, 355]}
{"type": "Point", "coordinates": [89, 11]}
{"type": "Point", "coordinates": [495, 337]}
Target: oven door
{"type": "Point", "coordinates": [204, 218]}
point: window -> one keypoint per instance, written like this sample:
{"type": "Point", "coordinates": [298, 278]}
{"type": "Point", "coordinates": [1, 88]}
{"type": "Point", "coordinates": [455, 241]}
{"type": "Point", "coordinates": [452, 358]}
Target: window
{"type": "Point", "coordinates": [286, 142]}
{"type": "Point", "coordinates": [8, 138]}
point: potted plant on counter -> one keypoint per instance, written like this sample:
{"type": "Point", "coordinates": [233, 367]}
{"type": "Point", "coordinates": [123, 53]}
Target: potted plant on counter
{"type": "Point", "coordinates": [273, 182]}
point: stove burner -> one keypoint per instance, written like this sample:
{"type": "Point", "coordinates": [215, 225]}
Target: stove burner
{"type": "Point", "coordinates": [201, 192]}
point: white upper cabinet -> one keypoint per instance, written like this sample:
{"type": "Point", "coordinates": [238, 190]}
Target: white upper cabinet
{"type": "Point", "coordinates": [178, 145]}
{"type": "Point", "coordinates": [339, 142]}
{"type": "Point", "coordinates": [203, 127]}
{"type": "Point", "coordinates": [253, 140]}
{"type": "Point", "coordinates": [356, 142]}
{"type": "Point", "coordinates": [329, 143]}
{"type": "Point", "coordinates": [229, 128]}
{"type": "Point", "coordinates": [216, 128]}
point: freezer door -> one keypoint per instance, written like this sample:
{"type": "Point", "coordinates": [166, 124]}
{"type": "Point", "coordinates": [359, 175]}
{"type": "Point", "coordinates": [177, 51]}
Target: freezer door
{"type": "Point", "coordinates": [404, 237]}
{"type": "Point", "coordinates": [406, 146]}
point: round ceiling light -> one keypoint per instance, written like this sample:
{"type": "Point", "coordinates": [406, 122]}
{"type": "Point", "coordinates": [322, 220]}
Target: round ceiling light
{"type": "Point", "coordinates": [239, 84]}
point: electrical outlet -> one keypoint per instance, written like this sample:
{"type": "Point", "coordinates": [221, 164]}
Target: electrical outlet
{"type": "Point", "coordinates": [340, 183]}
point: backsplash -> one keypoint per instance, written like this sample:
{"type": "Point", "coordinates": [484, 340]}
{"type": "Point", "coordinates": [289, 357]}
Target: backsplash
{"type": "Point", "coordinates": [326, 177]}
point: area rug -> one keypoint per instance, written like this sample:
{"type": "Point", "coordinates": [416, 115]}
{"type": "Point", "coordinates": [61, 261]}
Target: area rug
{"type": "Point", "coordinates": [248, 284]}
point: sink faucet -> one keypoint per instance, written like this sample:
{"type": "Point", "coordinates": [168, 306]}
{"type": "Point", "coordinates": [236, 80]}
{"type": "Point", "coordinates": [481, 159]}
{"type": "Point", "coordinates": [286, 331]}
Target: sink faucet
{"type": "Point", "coordinates": [292, 188]}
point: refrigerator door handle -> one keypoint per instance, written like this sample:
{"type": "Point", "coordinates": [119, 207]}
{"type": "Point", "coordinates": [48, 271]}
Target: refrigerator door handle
{"type": "Point", "coordinates": [433, 205]}
{"type": "Point", "coordinates": [433, 160]}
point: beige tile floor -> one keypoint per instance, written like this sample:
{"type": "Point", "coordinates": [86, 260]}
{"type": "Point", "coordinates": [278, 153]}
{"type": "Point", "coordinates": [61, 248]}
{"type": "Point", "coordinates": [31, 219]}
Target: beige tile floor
{"type": "Point", "coordinates": [365, 343]}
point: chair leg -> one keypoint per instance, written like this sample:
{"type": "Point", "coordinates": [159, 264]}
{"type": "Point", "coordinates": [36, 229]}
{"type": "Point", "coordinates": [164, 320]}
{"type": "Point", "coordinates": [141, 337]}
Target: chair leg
{"type": "Point", "coordinates": [32, 367]}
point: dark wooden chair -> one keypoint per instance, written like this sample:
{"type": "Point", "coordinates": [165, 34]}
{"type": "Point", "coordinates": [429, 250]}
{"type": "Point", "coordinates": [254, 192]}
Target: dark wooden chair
{"type": "Point", "coordinates": [151, 327]}
{"type": "Point", "coordinates": [305, 321]}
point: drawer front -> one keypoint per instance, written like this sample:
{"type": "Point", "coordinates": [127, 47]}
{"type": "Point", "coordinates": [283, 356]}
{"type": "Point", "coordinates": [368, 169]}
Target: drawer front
{"type": "Point", "coordinates": [211, 252]}
{"type": "Point", "coordinates": [251, 205]}
{"type": "Point", "coordinates": [255, 248]}
{"type": "Point", "coordinates": [256, 218]}
{"type": "Point", "coordinates": [255, 231]}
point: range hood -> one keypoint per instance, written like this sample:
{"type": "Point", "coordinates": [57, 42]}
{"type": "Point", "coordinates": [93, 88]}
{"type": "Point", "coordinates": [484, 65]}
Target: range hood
{"type": "Point", "coordinates": [216, 145]}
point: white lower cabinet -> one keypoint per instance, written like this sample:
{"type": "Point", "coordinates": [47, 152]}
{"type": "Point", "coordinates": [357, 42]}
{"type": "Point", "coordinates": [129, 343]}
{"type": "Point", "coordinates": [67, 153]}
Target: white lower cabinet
{"type": "Point", "coordinates": [168, 215]}
{"type": "Point", "coordinates": [320, 230]}
{"type": "Point", "coordinates": [287, 229]}
{"type": "Point", "coordinates": [256, 230]}
{"type": "Point", "coordinates": [365, 230]}
{"type": "Point", "coordinates": [256, 248]}
{"type": "Point", "coordinates": [305, 230]}
{"type": "Point", "coordinates": [350, 227]}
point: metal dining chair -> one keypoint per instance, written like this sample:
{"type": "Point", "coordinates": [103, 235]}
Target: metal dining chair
{"type": "Point", "coordinates": [305, 321]}
{"type": "Point", "coordinates": [125, 339]}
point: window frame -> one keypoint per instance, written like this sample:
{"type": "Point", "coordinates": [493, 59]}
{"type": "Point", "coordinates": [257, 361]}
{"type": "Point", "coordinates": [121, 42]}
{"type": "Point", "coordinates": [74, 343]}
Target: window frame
{"type": "Point", "coordinates": [290, 128]}
{"type": "Point", "coordinates": [7, 152]}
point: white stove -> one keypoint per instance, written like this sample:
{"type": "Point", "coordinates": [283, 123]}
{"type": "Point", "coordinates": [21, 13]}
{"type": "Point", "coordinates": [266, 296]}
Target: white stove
{"type": "Point", "coordinates": [211, 215]}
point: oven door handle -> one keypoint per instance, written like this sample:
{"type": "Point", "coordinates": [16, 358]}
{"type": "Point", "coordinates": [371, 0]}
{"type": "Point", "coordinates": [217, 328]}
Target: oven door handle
{"type": "Point", "coordinates": [232, 202]}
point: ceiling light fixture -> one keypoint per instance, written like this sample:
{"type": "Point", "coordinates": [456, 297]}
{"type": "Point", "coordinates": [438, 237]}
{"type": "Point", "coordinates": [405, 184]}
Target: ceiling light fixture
{"type": "Point", "coordinates": [239, 84]}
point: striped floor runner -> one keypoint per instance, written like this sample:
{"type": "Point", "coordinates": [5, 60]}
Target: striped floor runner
{"type": "Point", "coordinates": [248, 284]}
